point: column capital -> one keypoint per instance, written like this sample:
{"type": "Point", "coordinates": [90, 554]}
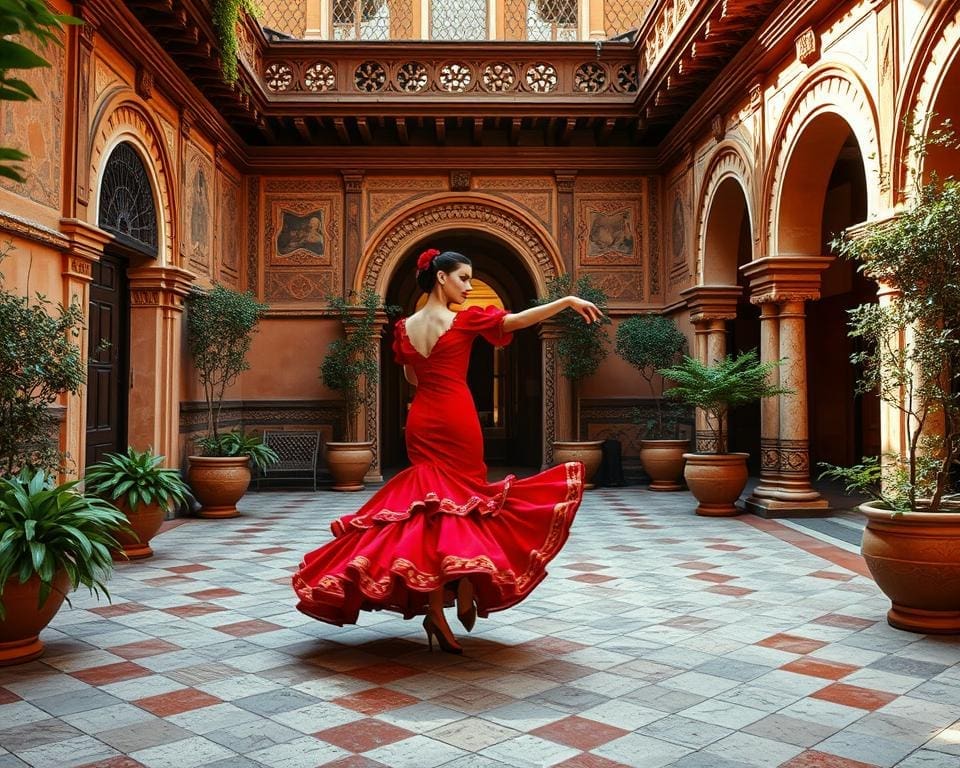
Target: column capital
{"type": "Point", "coordinates": [549, 330]}
{"type": "Point", "coordinates": [355, 315]}
{"type": "Point", "coordinates": [785, 278]}
{"type": "Point", "coordinates": [353, 180]}
{"type": "Point", "coordinates": [159, 287]}
{"type": "Point", "coordinates": [712, 302]}
{"type": "Point", "coordinates": [565, 180]}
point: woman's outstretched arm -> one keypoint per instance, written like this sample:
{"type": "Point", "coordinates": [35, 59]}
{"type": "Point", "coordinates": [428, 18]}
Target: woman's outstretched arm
{"type": "Point", "coordinates": [586, 309]}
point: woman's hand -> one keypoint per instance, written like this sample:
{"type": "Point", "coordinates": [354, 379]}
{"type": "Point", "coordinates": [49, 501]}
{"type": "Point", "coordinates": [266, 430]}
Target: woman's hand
{"type": "Point", "coordinates": [586, 309]}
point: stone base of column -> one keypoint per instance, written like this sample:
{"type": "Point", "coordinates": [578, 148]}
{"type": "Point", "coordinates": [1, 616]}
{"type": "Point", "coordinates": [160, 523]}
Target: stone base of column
{"type": "Point", "coordinates": [764, 506]}
{"type": "Point", "coordinates": [373, 476]}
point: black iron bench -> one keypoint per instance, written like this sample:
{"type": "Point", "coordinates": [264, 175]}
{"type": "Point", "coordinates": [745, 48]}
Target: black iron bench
{"type": "Point", "coordinates": [298, 452]}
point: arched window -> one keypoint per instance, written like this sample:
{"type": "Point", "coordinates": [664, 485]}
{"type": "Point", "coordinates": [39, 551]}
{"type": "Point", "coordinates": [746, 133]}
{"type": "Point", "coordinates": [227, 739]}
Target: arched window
{"type": "Point", "coordinates": [127, 209]}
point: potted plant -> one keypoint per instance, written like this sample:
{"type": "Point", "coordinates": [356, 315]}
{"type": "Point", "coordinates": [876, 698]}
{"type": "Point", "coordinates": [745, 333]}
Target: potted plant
{"type": "Point", "coordinates": [52, 539]}
{"type": "Point", "coordinates": [136, 483]}
{"type": "Point", "coordinates": [350, 367]}
{"type": "Point", "coordinates": [717, 479]}
{"type": "Point", "coordinates": [220, 327]}
{"type": "Point", "coordinates": [910, 355]}
{"type": "Point", "coordinates": [649, 343]}
{"type": "Point", "coordinates": [581, 347]}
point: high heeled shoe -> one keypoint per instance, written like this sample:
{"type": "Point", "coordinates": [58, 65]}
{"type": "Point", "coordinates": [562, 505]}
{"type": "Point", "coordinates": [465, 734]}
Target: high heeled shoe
{"type": "Point", "coordinates": [447, 644]}
{"type": "Point", "coordinates": [468, 616]}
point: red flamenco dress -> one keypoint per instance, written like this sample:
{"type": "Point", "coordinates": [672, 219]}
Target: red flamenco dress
{"type": "Point", "coordinates": [440, 520]}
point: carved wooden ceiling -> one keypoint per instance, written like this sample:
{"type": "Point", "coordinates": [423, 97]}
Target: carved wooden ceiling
{"type": "Point", "coordinates": [292, 93]}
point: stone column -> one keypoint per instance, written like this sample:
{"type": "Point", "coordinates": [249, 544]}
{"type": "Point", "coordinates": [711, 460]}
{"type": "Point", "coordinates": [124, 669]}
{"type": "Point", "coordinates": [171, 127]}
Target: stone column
{"type": "Point", "coordinates": [565, 185]}
{"type": "Point", "coordinates": [85, 244]}
{"type": "Point", "coordinates": [787, 281]}
{"type": "Point", "coordinates": [369, 417]}
{"type": "Point", "coordinates": [156, 352]}
{"type": "Point", "coordinates": [352, 242]}
{"type": "Point", "coordinates": [769, 406]}
{"type": "Point", "coordinates": [703, 437]}
{"type": "Point", "coordinates": [557, 394]}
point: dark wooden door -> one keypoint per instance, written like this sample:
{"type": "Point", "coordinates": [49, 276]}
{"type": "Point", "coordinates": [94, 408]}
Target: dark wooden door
{"type": "Point", "coordinates": [108, 364]}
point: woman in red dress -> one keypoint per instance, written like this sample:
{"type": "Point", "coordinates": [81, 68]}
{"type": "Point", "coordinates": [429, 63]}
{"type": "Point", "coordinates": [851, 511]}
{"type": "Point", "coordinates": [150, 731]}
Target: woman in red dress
{"type": "Point", "coordinates": [438, 530]}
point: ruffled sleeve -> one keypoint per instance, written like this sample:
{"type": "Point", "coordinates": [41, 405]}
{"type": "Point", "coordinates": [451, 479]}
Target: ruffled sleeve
{"type": "Point", "coordinates": [487, 322]}
{"type": "Point", "coordinates": [399, 353]}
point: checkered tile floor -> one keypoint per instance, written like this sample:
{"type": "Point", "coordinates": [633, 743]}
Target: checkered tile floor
{"type": "Point", "coordinates": [659, 639]}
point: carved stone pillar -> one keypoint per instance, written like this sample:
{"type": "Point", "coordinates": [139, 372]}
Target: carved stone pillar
{"type": "Point", "coordinates": [710, 307]}
{"type": "Point", "coordinates": [156, 349]}
{"type": "Point", "coordinates": [85, 244]}
{"type": "Point", "coordinates": [80, 129]}
{"type": "Point", "coordinates": [352, 242]}
{"type": "Point", "coordinates": [557, 394]}
{"type": "Point", "coordinates": [369, 417]}
{"type": "Point", "coordinates": [787, 281]}
{"type": "Point", "coordinates": [565, 185]}
{"type": "Point", "coordinates": [769, 406]}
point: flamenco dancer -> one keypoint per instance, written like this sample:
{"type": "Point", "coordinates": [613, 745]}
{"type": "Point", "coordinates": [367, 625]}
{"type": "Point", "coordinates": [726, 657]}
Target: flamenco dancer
{"type": "Point", "coordinates": [439, 530]}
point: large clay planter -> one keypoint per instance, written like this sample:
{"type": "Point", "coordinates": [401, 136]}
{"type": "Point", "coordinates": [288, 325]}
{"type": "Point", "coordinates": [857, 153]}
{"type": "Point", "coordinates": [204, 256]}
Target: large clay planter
{"type": "Point", "coordinates": [348, 464]}
{"type": "Point", "coordinates": [716, 480]}
{"type": "Point", "coordinates": [915, 560]}
{"type": "Point", "coordinates": [663, 461]}
{"type": "Point", "coordinates": [20, 630]}
{"type": "Point", "coordinates": [218, 483]}
{"type": "Point", "coordinates": [144, 523]}
{"type": "Point", "coordinates": [588, 451]}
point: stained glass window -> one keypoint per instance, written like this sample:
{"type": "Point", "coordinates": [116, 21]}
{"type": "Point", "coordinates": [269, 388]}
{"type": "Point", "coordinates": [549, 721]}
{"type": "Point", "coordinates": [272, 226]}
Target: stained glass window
{"type": "Point", "coordinates": [127, 208]}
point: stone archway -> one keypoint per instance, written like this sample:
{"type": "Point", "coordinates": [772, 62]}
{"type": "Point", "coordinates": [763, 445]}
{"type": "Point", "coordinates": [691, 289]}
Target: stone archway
{"type": "Point", "coordinates": [485, 217]}
{"type": "Point", "coordinates": [723, 204]}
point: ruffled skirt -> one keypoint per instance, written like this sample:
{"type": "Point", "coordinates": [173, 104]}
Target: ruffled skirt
{"type": "Point", "coordinates": [428, 527]}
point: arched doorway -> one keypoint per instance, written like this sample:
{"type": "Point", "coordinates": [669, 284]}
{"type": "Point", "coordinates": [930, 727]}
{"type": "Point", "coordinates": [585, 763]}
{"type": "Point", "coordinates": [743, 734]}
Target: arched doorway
{"type": "Point", "coordinates": [506, 382]}
{"type": "Point", "coordinates": [126, 209]}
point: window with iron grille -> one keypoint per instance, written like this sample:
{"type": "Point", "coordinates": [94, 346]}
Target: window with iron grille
{"type": "Point", "coordinates": [552, 20]}
{"type": "Point", "coordinates": [361, 19]}
{"type": "Point", "coordinates": [458, 20]}
{"type": "Point", "coordinates": [127, 209]}
{"type": "Point", "coordinates": [622, 16]}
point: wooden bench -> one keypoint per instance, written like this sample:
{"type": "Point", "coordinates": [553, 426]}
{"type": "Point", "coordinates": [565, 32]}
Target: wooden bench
{"type": "Point", "coordinates": [298, 452]}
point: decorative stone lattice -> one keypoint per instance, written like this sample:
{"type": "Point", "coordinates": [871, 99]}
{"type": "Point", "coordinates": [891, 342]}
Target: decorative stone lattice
{"type": "Point", "coordinates": [412, 77]}
{"type": "Point", "coordinates": [542, 77]}
{"type": "Point", "coordinates": [590, 78]}
{"type": "Point", "coordinates": [320, 78]}
{"type": "Point", "coordinates": [370, 77]}
{"type": "Point", "coordinates": [455, 77]}
{"type": "Point", "coordinates": [628, 79]}
{"type": "Point", "coordinates": [278, 77]}
{"type": "Point", "coordinates": [498, 76]}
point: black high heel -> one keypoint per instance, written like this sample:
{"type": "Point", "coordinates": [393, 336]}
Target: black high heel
{"type": "Point", "coordinates": [465, 595]}
{"type": "Point", "coordinates": [446, 644]}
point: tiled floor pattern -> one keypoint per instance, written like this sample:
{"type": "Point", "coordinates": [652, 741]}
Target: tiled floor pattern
{"type": "Point", "coordinates": [659, 639]}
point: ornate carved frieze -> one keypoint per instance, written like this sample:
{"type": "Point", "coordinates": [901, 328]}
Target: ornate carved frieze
{"type": "Point", "coordinates": [313, 285]}
{"type": "Point", "coordinates": [808, 46]}
{"type": "Point", "coordinates": [30, 230]}
{"type": "Point", "coordinates": [622, 285]}
{"type": "Point", "coordinates": [653, 228]}
{"type": "Point", "coordinates": [144, 84]}
{"type": "Point", "coordinates": [769, 455]}
{"type": "Point", "coordinates": [229, 232]}
{"type": "Point", "coordinates": [274, 413]}
{"type": "Point", "coordinates": [460, 181]}
{"type": "Point", "coordinates": [386, 194]}
{"type": "Point", "coordinates": [794, 458]}
{"type": "Point", "coordinates": [534, 194]}
{"type": "Point", "coordinates": [253, 234]}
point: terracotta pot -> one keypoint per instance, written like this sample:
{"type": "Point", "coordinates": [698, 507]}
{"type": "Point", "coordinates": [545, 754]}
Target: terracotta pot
{"type": "Point", "coordinates": [915, 560]}
{"type": "Point", "coordinates": [349, 464]}
{"type": "Point", "coordinates": [145, 522]}
{"type": "Point", "coordinates": [218, 483]}
{"type": "Point", "coordinates": [663, 461]}
{"type": "Point", "coordinates": [716, 480]}
{"type": "Point", "coordinates": [588, 451]}
{"type": "Point", "coordinates": [20, 631]}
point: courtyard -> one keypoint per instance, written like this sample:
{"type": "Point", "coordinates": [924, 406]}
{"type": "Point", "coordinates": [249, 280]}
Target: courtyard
{"type": "Point", "coordinates": [659, 639]}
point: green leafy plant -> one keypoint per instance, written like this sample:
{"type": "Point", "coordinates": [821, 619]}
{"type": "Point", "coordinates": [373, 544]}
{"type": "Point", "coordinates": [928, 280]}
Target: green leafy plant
{"type": "Point", "coordinates": [649, 343]}
{"type": "Point", "coordinates": [40, 359]}
{"type": "Point", "coordinates": [20, 18]}
{"type": "Point", "coordinates": [721, 387]}
{"type": "Point", "coordinates": [46, 528]}
{"type": "Point", "coordinates": [239, 443]}
{"type": "Point", "coordinates": [226, 15]}
{"type": "Point", "coordinates": [137, 477]}
{"type": "Point", "coordinates": [910, 344]}
{"type": "Point", "coordinates": [220, 327]}
{"type": "Point", "coordinates": [350, 364]}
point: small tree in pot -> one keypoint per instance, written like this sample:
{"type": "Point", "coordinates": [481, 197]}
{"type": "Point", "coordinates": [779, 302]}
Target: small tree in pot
{"type": "Point", "coordinates": [220, 327]}
{"type": "Point", "coordinates": [649, 343]}
{"type": "Point", "coordinates": [351, 367]}
{"type": "Point", "coordinates": [911, 357]}
{"type": "Point", "coordinates": [581, 347]}
{"type": "Point", "coordinates": [718, 479]}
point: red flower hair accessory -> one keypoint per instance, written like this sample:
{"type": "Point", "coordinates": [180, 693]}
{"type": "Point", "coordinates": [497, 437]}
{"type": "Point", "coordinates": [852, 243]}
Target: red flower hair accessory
{"type": "Point", "coordinates": [425, 259]}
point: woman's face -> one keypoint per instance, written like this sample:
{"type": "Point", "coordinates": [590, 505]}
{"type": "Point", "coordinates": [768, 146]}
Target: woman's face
{"type": "Point", "coordinates": [456, 284]}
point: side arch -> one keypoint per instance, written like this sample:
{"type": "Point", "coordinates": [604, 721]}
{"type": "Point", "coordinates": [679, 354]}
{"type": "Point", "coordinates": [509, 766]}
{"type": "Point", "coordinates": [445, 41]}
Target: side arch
{"type": "Point", "coordinates": [829, 91]}
{"type": "Point", "coordinates": [387, 246]}
{"type": "Point", "coordinates": [125, 120]}
{"type": "Point", "coordinates": [728, 163]}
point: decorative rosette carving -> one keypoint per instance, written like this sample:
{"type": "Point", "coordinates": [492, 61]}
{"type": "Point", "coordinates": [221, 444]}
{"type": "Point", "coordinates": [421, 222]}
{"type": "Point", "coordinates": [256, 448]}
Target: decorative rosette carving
{"type": "Point", "coordinates": [590, 78]}
{"type": "Point", "coordinates": [412, 77]}
{"type": "Point", "coordinates": [628, 79]}
{"type": "Point", "coordinates": [278, 76]}
{"type": "Point", "coordinates": [320, 77]}
{"type": "Point", "coordinates": [455, 77]}
{"type": "Point", "coordinates": [542, 77]}
{"type": "Point", "coordinates": [370, 77]}
{"type": "Point", "coordinates": [498, 76]}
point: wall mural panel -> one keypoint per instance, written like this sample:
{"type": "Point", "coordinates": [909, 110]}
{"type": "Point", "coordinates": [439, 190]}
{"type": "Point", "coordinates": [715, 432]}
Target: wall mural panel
{"type": "Point", "coordinates": [385, 195]}
{"type": "Point", "coordinates": [608, 230]}
{"type": "Point", "coordinates": [679, 245]}
{"type": "Point", "coordinates": [197, 237]}
{"type": "Point", "coordinates": [228, 230]}
{"type": "Point", "coordinates": [303, 246]}
{"type": "Point", "coordinates": [36, 127]}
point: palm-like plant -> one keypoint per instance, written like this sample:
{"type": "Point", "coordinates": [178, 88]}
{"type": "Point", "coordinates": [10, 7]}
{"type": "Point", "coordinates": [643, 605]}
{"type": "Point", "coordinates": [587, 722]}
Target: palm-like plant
{"type": "Point", "coordinates": [136, 477]}
{"type": "Point", "coordinates": [238, 443]}
{"type": "Point", "coordinates": [47, 528]}
{"type": "Point", "coordinates": [718, 388]}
